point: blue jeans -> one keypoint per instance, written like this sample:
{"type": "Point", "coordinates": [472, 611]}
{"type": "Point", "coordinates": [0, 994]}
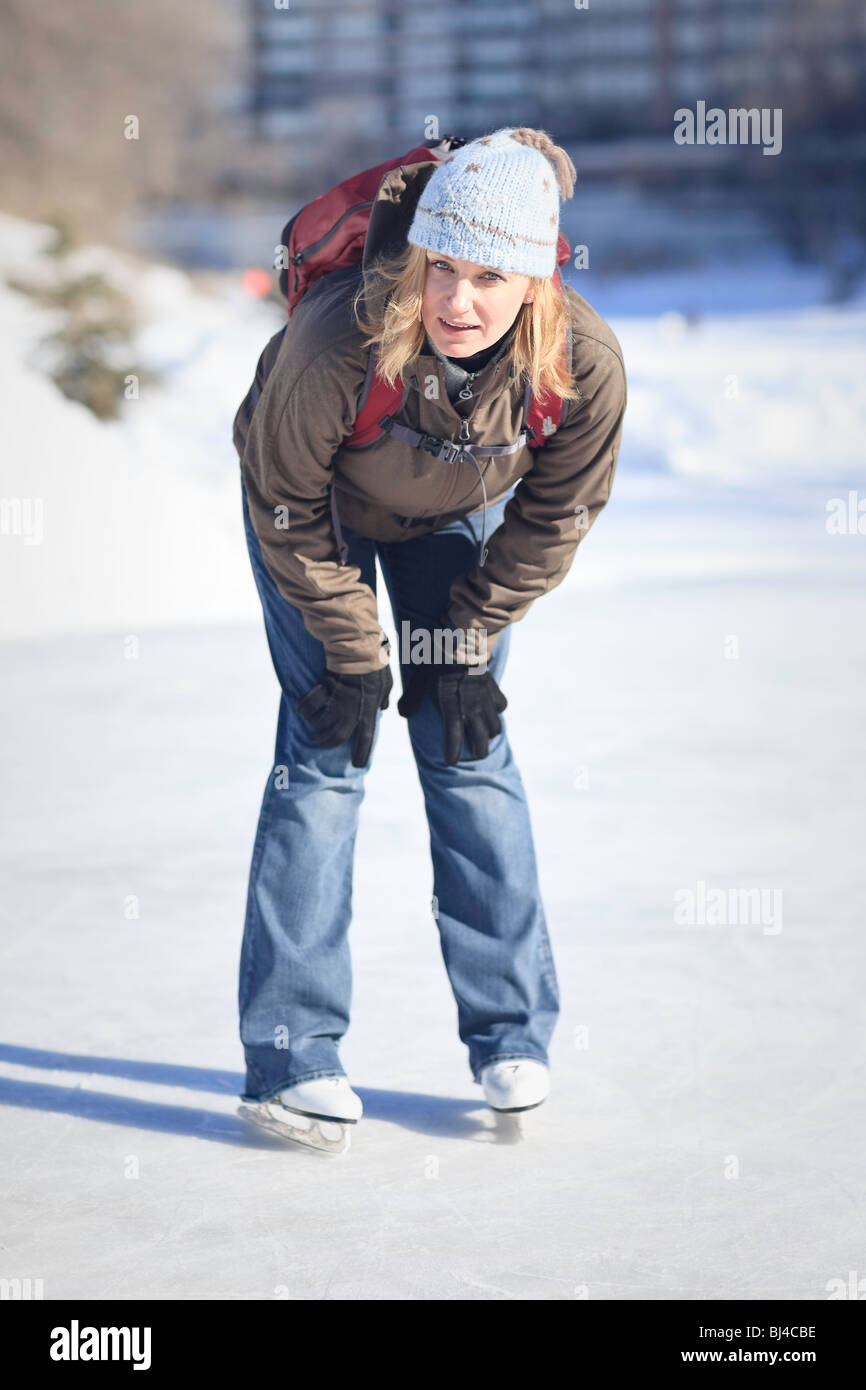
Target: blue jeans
{"type": "Point", "coordinates": [295, 970]}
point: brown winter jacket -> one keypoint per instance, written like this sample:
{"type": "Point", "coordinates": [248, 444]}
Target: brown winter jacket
{"type": "Point", "coordinates": [289, 433]}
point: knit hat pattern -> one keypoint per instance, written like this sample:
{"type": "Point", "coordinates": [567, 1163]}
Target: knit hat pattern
{"type": "Point", "coordinates": [493, 201]}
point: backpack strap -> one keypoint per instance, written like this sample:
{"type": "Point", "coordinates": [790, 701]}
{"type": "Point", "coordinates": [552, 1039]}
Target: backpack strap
{"type": "Point", "coordinates": [446, 449]}
{"type": "Point", "coordinates": [377, 399]}
{"type": "Point", "coordinates": [542, 419]}
{"type": "Point", "coordinates": [545, 414]}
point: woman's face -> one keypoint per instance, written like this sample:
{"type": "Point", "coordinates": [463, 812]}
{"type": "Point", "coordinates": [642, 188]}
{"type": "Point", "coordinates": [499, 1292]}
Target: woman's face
{"type": "Point", "coordinates": [461, 292]}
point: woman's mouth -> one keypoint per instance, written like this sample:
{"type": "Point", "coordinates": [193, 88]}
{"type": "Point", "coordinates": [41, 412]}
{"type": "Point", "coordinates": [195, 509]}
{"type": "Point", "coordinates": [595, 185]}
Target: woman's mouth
{"type": "Point", "coordinates": [457, 327]}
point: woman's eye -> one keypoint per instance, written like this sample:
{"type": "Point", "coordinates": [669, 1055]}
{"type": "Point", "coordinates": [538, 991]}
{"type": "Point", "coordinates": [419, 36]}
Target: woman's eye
{"type": "Point", "coordinates": [443, 265]}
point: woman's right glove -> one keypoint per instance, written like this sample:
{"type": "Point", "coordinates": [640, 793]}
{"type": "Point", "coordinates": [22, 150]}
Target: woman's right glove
{"type": "Point", "coordinates": [343, 706]}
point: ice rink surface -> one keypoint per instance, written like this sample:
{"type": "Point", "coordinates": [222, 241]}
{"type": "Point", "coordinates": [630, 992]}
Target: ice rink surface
{"type": "Point", "coordinates": [704, 1136]}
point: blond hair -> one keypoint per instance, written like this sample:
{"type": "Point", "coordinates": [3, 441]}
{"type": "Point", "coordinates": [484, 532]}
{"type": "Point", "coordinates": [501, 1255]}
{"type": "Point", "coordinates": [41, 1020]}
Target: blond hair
{"type": "Point", "coordinates": [387, 308]}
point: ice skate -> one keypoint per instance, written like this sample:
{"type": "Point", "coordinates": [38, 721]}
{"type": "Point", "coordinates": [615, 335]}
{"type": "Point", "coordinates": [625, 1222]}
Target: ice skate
{"type": "Point", "coordinates": [317, 1113]}
{"type": "Point", "coordinates": [515, 1084]}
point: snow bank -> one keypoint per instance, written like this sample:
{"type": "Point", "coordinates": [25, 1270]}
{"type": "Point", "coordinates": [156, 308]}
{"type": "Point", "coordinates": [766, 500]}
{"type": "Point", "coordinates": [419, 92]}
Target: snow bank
{"type": "Point", "coordinates": [763, 401]}
{"type": "Point", "coordinates": [140, 517]}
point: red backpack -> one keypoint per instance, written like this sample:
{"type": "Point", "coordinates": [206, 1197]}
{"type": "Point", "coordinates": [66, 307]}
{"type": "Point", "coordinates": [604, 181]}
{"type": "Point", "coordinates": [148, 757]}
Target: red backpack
{"type": "Point", "coordinates": [328, 234]}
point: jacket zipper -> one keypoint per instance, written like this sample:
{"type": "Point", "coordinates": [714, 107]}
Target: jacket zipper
{"type": "Point", "coordinates": [464, 394]}
{"type": "Point", "coordinates": [463, 438]}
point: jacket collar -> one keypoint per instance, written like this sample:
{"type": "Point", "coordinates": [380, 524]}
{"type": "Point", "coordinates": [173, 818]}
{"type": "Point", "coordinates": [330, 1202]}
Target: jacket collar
{"type": "Point", "coordinates": [495, 374]}
{"type": "Point", "coordinates": [393, 209]}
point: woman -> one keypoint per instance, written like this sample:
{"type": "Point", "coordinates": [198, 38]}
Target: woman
{"type": "Point", "coordinates": [462, 308]}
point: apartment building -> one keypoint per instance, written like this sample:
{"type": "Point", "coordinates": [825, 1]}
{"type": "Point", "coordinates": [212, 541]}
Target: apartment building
{"type": "Point", "coordinates": [377, 70]}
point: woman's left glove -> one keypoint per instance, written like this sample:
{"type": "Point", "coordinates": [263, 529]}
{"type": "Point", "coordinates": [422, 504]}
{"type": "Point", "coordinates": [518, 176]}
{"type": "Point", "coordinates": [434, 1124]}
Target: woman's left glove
{"type": "Point", "coordinates": [343, 706]}
{"type": "Point", "coordinates": [469, 701]}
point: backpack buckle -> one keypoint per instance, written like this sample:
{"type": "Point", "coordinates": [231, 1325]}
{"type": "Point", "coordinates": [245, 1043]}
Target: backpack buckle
{"type": "Point", "coordinates": [442, 449]}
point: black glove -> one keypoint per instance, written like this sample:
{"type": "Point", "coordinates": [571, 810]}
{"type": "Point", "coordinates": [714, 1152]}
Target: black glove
{"type": "Point", "coordinates": [470, 704]}
{"type": "Point", "coordinates": [341, 706]}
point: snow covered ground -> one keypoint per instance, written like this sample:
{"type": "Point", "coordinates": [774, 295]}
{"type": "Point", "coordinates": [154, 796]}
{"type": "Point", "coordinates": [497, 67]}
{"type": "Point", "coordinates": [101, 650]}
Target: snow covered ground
{"type": "Point", "coordinates": [702, 733]}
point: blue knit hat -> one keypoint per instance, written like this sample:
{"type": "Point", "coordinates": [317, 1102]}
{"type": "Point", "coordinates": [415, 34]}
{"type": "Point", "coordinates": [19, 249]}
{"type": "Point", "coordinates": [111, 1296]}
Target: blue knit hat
{"type": "Point", "coordinates": [495, 201]}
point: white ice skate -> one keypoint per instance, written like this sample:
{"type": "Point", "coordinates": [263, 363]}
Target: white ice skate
{"type": "Point", "coordinates": [314, 1113]}
{"type": "Point", "coordinates": [514, 1084]}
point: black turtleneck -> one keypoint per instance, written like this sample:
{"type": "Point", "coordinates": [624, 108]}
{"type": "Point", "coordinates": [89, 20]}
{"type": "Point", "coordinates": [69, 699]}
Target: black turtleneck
{"type": "Point", "coordinates": [483, 356]}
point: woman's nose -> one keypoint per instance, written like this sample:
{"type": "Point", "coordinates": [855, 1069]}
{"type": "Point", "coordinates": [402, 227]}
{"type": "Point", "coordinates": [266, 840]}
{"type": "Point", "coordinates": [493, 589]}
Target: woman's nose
{"type": "Point", "coordinates": [461, 298]}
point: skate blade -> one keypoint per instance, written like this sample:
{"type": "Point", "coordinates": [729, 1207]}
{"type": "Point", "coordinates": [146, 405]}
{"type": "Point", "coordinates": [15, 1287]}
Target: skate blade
{"type": "Point", "coordinates": [326, 1136]}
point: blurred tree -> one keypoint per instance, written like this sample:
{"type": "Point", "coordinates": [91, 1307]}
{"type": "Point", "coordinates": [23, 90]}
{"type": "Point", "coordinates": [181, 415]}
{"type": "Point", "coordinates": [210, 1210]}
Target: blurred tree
{"type": "Point", "coordinates": [90, 352]}
{"type": "Point", "coordinates": [72, 76]}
